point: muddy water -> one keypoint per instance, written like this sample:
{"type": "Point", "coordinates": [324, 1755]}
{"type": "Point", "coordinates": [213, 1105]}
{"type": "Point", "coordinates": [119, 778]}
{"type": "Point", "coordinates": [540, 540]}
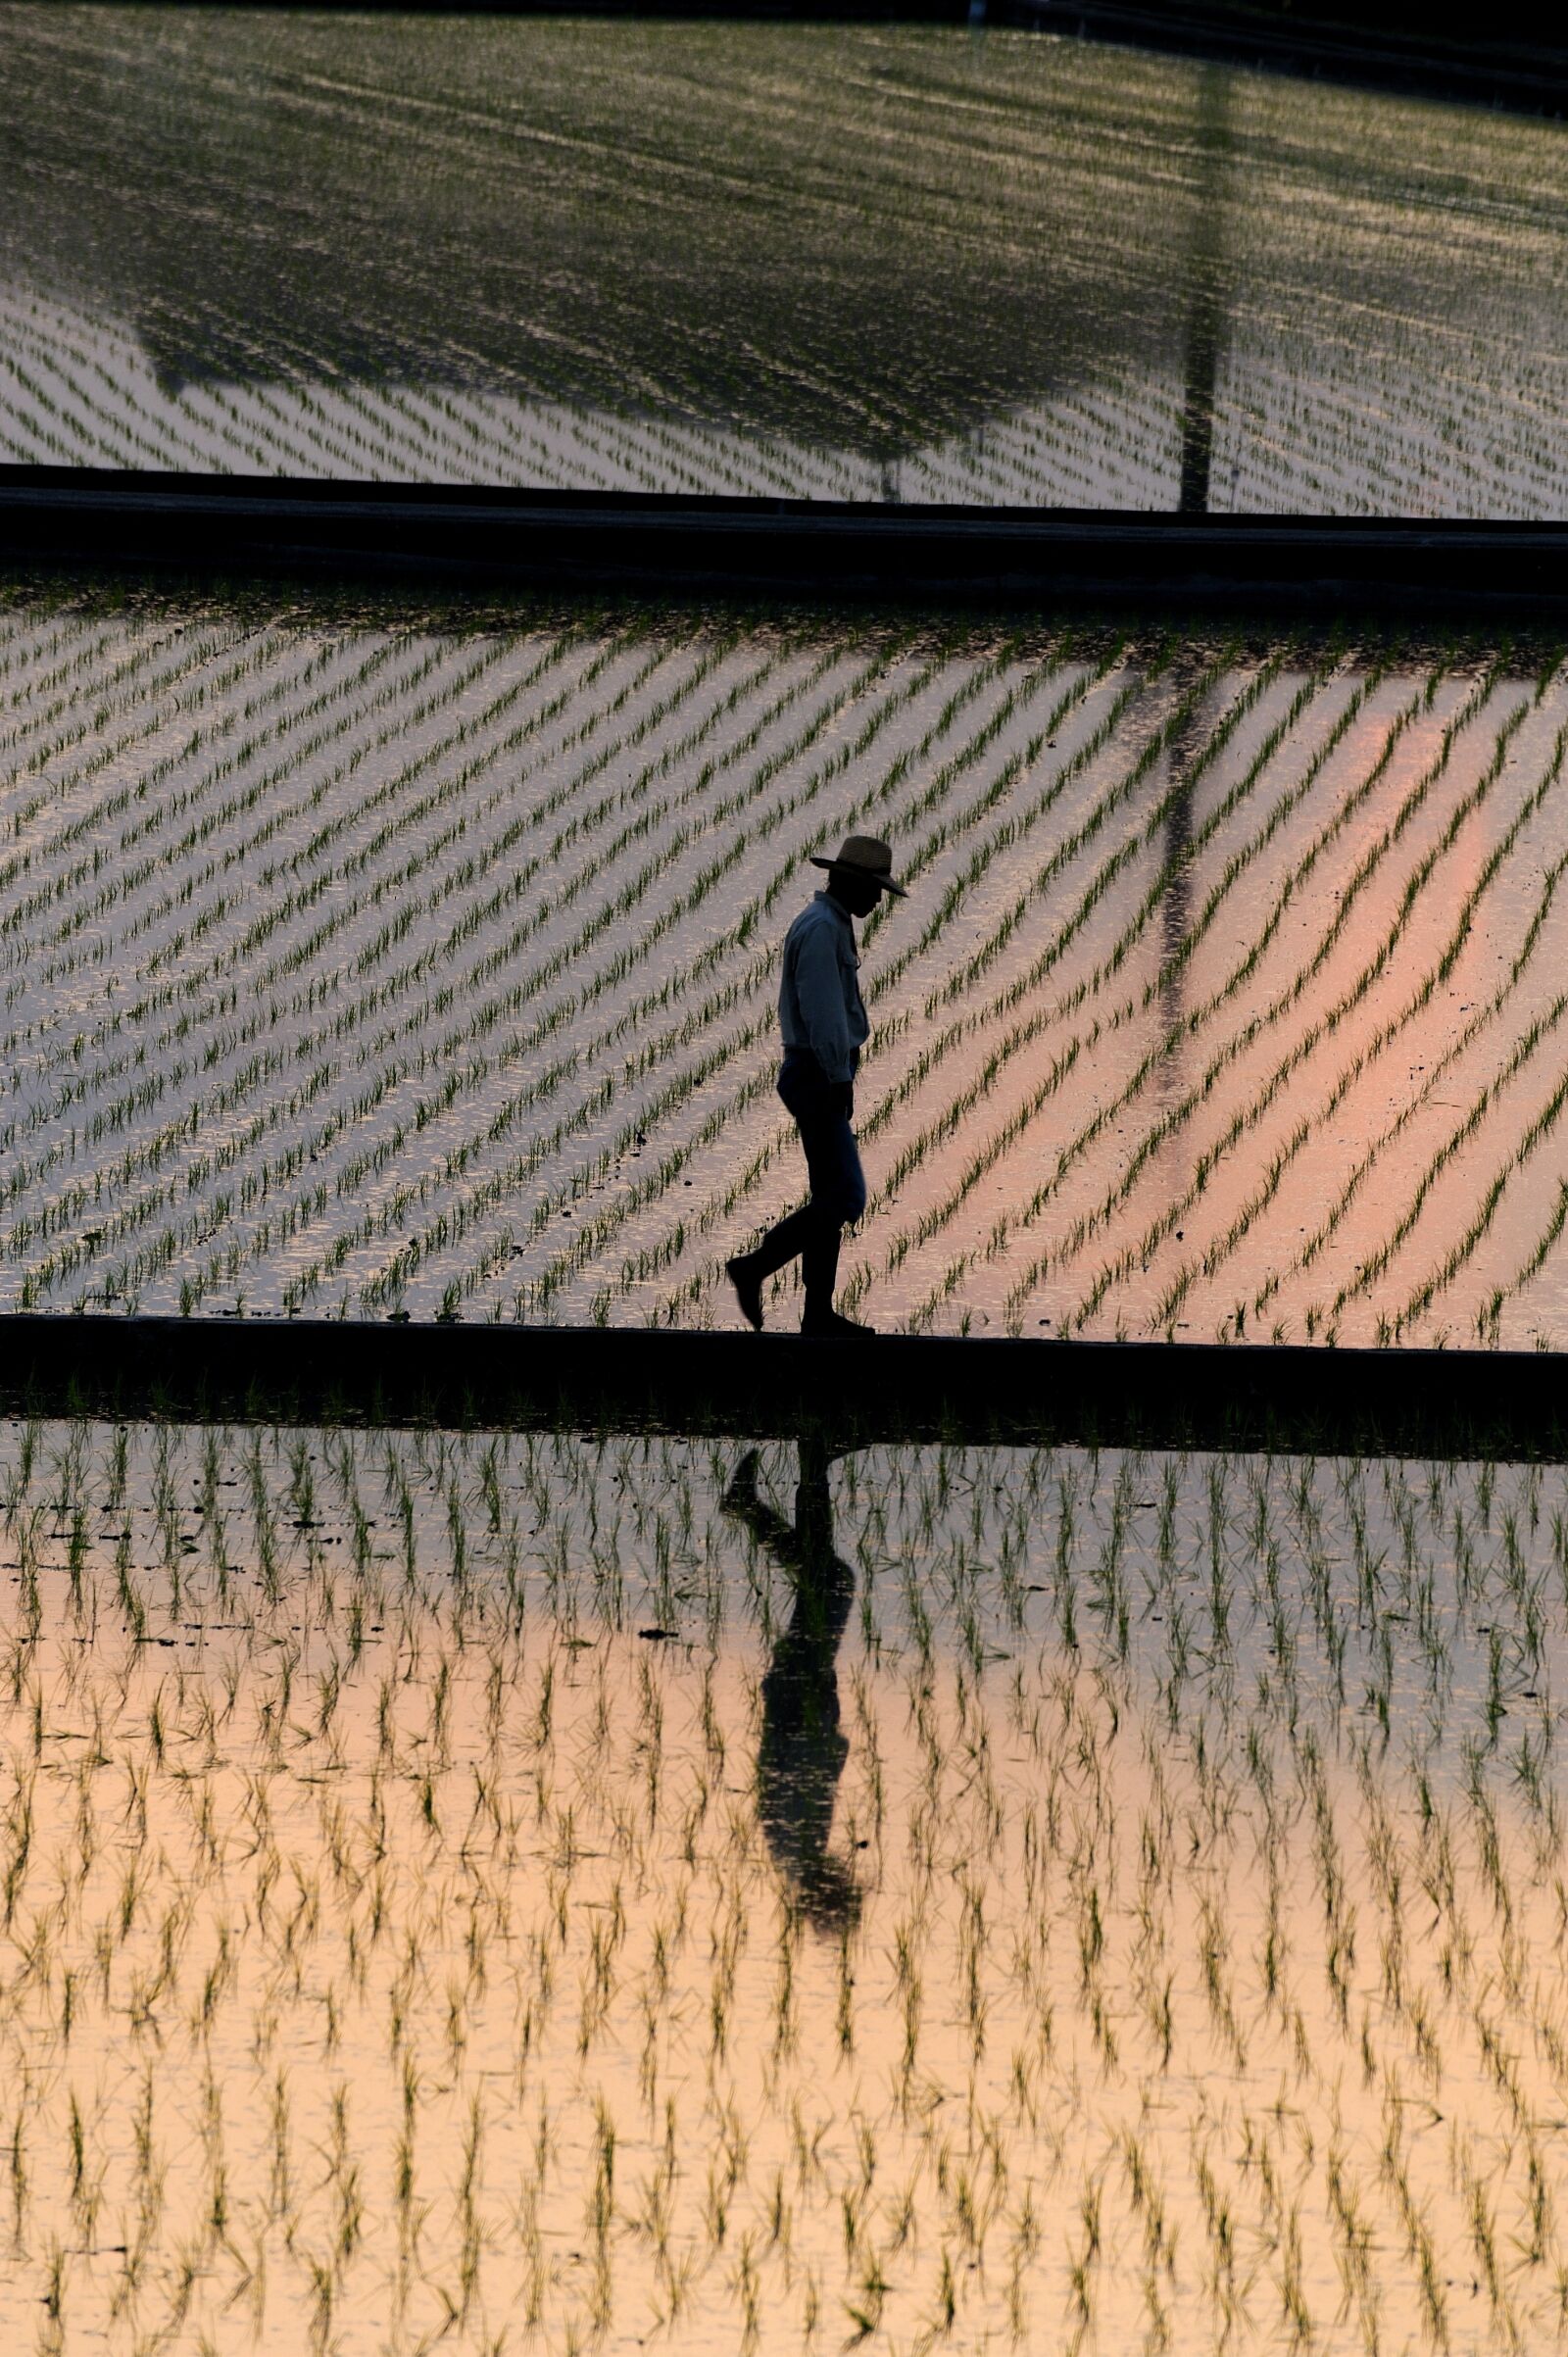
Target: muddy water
{"type": "Point", "coordinates": [468, 1887]}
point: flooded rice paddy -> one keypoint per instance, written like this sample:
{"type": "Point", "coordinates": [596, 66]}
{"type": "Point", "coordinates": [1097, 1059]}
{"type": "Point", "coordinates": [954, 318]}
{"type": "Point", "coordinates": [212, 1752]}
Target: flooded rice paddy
{"type": "Point", "coordinates": [492, 1892]}
{"type": "Point", "coordinates": [365, 970]}
{"type": "Point", "coordinates": [853, 261]}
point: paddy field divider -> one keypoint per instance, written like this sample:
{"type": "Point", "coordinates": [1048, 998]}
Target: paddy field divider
{"type": "Point", "coordinates": [229, 525]}
{"type": "Point", "coordinates": [897, 1387]}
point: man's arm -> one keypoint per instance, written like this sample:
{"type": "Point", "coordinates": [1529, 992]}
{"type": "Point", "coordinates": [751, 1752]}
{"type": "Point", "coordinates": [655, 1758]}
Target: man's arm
{"type": "Point", "coordinates": [819, 994]}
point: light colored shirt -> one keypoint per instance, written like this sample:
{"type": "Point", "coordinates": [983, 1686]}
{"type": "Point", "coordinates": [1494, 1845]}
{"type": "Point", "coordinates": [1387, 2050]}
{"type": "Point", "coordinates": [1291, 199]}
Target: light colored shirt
{"type": "Point", "coordinates": [819, 992]}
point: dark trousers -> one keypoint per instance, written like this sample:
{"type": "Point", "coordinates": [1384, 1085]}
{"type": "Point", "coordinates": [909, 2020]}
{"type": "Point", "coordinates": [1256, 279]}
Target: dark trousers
{"type": "Point", "coordinates": [812, 1235]}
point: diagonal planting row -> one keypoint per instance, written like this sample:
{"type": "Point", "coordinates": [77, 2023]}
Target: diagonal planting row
{"type": "Point", "coordinates": [78, 391]}
{"type": "Point", "coordinates": [1374, 433]}
{"type": "Point", "coordinates": [354, 972]}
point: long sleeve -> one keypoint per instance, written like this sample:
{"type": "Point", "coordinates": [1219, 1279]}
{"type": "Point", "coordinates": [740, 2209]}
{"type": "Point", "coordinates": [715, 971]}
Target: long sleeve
{"type": "Point", "coordinates": [820, 997]}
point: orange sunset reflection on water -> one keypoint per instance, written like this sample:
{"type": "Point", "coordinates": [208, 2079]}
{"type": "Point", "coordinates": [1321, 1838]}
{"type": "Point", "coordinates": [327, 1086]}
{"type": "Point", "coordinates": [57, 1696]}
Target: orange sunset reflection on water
{"type": "Point", "coordinates": [1274, 1058]}
{"type": "Point", "coordinates": [509, 1890]}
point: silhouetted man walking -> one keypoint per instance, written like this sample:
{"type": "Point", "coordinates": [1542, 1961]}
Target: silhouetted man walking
{"type": "Point", "coordinates": [824, 1028]}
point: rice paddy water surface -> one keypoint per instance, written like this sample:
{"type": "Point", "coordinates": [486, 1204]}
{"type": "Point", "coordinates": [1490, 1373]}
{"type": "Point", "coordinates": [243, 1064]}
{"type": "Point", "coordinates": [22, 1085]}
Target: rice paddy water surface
{"type": "Point", "coordinates": [883, 262]}
{"type": "Point", "coordinates": [481, 1891]}
{"type": "Point", "coordinates": [501, 1892]}
{"type": "Point", "coordinates": [358, 969]}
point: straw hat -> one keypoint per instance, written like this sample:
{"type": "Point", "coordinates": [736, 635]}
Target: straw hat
{"type": "Point", "coordinates": [864, 855]}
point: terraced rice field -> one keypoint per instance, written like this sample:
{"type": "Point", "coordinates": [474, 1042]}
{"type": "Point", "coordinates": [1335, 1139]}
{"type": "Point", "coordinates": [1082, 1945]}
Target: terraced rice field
{"type": "Point", "coordinates": [865, 261]}
{"type": "Point", "coordinates": [356, 970]}
{"type": "Point", "coordinates": [464, 1892]}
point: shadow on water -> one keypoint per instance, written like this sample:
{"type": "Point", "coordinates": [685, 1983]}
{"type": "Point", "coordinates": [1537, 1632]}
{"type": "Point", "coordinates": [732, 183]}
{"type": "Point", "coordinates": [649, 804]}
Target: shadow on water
{"type": "Point", "coordinates": [803, 1748]}
{"type": "Point", "coordinates": [768, 228]}
{"type": "Point", "coordinates": [1207, 292]}
{"type": "Point", "coordinates": [1185, 741]}
{"type": "Point", "coordinates": [1205, 309]}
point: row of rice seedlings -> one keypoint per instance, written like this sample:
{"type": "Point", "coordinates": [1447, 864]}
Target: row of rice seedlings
{"type": "Point", "coordinates": [1480, 1017]}
{"type": "Point", "coordinates": [1336, 443]}
{"type": "Point", "coordinates": [402, 1792]}
{"type": "Point", "coordinates": [103, 668]}
{"type": "Point", "coordinates": [100, 405]}
{"type": "Point", "coordinates": [79, 394]}
{"type": "Point", "coordinates": [94, 415]}
{"type": "Point", "coordinates": [1306, 766]}
{"type": "Point", "coordinates": [426, 660]}
{"type": "Point", "coordinates": [1283, 1002]}
{"type": "Point", "coordinates": [261, 790]}
{"type": "Point", "coordinates": [759, 827]}
{"type": "Point", "coordinates": [281, 669]}
{"type": "Point", "coordinates": [1271, 1088]}
{"type": "Point", "coordinates": [1438, 1278]}
{"type": "Point", "coordinates": [446, 693]}
{"type": "Point", "coordinates": [39, 695]}
{"type": "Point", "coordinates": [656, 765]}
{"type": "Point", "coordinates": [572, 697]}
{"type": "Point", "coordinates": [1106, 711]}
{"type": "Point", "coordinates": [90, 417]}
{"type": "Point", "coordinates": [1189, 1021]}
{"type": "Point", "coordinates": [244, 800]}
{"type": "Point", "coordinates": [453, 780]}
{"type": "Point", "coordinates": [869, 809]}
{"type": "Point", "coordinates": [188, 674]}
{"type": "Point", "coordinates": [385, 791]}
{"type": "Point", "coordinates": [980, 1025]}
{"type": "Point", "coordinates": [1488, 1316]}
{"type": "Point", "coordinates": [295, 727]}
{"type": "Point", "coordinates": [41, 648]}
{"type": "Point", "coordinates": [113, 367]}
{"type": "Point", "coordinates": [1395, 1028]}
{"type": "Point", "coordinates": [1459, 1135]}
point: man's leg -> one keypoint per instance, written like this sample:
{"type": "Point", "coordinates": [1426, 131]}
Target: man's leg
{"type": "Point", "coordinates": [784, 1242]}
{"type": "Point", "coordinates": [819, 1267]}
{"type": "Point", "coordinates": [750, 1272]}
{"type": "Point", "coordinates": [838, 1197]}
{"type": "Point", "coordinates": [813, 1233]}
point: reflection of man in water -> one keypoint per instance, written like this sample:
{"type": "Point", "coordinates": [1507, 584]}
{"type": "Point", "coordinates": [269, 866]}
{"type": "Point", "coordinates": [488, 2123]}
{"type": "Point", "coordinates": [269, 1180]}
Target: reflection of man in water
{"type": "Point", "coordinates": [802, 1754]}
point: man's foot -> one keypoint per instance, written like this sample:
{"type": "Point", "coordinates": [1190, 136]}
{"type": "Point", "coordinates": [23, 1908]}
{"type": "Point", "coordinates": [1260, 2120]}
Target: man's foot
{"type": "Point", "coordinates": [742, 1275]}
{"type": "Point", "coordinates": [828, 1325]}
